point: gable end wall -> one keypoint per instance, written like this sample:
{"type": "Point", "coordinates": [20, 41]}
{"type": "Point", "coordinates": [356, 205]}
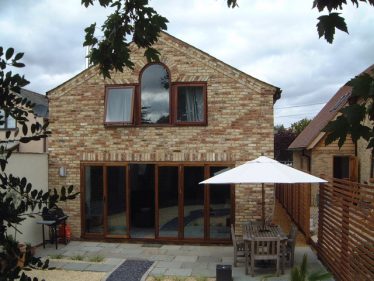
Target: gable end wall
{"type": "Point", "coordinates": [240, 125]}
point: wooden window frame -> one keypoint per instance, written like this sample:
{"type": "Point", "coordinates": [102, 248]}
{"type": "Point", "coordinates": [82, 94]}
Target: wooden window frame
{"type": "Point", "coordinates": [139, 99]}
{"type": "Point", "coordinates": [180, 237]}
{"type": "Point", "coordinates": [133, 104]}
{"type": "Point", "coordinates": [173, 101]}
{"type": "Point", "coordinates": [175, 87]}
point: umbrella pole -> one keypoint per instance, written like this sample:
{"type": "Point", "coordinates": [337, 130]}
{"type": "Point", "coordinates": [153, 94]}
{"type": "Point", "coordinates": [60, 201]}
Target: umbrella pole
{"type": "Point", "coordinates": [263, 206]}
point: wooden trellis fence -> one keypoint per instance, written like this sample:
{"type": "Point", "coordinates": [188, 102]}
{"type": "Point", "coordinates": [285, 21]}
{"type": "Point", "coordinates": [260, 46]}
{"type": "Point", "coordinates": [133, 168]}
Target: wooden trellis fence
{"type": "Point", "coordinates": [346, 229]}
{"type": "Point", "coordinates": [295, 198]}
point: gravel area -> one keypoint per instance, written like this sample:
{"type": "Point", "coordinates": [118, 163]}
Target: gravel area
{"type": "Point", "coordinates": [130, 270]}
{"type": "Point", "coordinates": [63, 275]}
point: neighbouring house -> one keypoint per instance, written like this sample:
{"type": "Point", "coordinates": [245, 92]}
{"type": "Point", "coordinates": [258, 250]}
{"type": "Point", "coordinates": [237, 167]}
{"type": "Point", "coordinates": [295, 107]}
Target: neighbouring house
{"type": "Point", "coordinates": [29, 160]}
{"type": "Point", "coordinates": [41, 115]}
{"type": "Point", "coordinates": [137, 145]}
{"type": "Point", "coordinates": [351, 161]}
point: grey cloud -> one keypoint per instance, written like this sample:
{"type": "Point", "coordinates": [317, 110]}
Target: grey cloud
{"type": "Point", "coordinates": [276, 42]}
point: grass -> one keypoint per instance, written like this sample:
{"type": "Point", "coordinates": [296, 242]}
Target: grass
{"type": "Point", "coordinates": [96, 259]}
{"type": "Point", "coordinates": [57, 257]}
{"type": "Point", "coordinates": [77, 258]}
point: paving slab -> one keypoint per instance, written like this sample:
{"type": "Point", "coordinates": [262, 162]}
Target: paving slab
{"type": "Point", "coordinates": [200, 265]}
{"type": "Point", "coordinates": [106, 253]}
{"type": "Point", "coordinates": [152, 251]}
{"type": "Point", "coordinates": [89, 243]}
{"type": "Point", "coordinates": [114, 261]}
{"type": "Point", "coordinates": [197, 272]}
{"type": "Point", "coordinates": [186, 258]}
{"type": "Point", "coordinates": [178, 272]}
{"type": "Point", "coordinates": [176, 260]}
{"type": "Point", "coordinates": [157, 271]}
{"type": "Point", "coordinates": [108, 245]}
{"type": "Point", "coordinates": [75, 266]}
{"type": "Point", "coordinates": [169, 264]}
{"type": "Point", "coordinates": [209, 259]}
{"type": "Point", "coordinates": [74, 253]}
{"type": "Point", "coordinates": [227, 260]}
{"type": "Point", "coordinates": [56, 264]}
{"type": "Point", "coordinates": [100, 267]}
{"type": "Point", "coordinates": [171, 247]}
{"type": "Point", "coordinates": [161, 258]}
{"type": "Point", "coordinates": [92, 248]}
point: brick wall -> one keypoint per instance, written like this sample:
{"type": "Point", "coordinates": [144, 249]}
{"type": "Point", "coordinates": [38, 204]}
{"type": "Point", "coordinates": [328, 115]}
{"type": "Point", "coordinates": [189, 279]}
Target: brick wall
{"type": "Point", "coordinates": [240, 124]}
{"type": "Point", "coordinates": [365, 158]}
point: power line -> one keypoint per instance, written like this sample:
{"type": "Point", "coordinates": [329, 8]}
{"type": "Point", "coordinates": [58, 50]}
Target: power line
{"type": "Point", "coordinates": [300, 114]}
{"type": "Point", "coordinates": [301, 105]}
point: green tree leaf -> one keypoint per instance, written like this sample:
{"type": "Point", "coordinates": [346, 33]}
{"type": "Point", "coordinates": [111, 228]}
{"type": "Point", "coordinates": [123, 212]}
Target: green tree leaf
{"type": "Point", "coordinates": [19, 56]}
{"type": "Point", "coordinates": [9, 53]}
{"type": "Point", "coordinates": [362, 86]}
{"type": "Point", "coordinates": [327, 24]}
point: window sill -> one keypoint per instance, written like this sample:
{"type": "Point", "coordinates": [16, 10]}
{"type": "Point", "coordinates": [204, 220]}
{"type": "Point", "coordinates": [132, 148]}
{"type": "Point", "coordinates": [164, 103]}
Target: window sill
{"type": "Point", "coordinates": [118, 125]}
{"type": "Point", "coordinates": [8, 129]}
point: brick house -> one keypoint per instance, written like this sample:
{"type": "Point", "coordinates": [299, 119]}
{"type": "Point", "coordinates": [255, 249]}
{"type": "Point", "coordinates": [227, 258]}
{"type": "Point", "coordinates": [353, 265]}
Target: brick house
{"type": "Point", "coordinates": [138, 144]}
{"type": "Point", "coordinates": [41, 114]}
{"type": "Point", "coordinates": [351, 161]}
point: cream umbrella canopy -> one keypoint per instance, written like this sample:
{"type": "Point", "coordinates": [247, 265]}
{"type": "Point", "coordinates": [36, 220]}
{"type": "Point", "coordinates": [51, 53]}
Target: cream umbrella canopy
{"type": "Point", "coordinates": [262, 170]}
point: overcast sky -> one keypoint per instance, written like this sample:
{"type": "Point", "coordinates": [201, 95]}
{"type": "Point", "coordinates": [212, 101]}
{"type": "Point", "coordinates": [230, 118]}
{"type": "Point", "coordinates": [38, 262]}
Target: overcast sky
{"type": "Point", "coordinates": [273, 40]}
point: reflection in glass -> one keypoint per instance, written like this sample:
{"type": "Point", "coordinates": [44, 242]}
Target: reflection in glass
{"type": "Point", "coordinates": [116, 200]}
{"type": "Point", "coordinates": [155, 86]}
{"type": "Point", "coordinates": [190, 106]}
{"type": "Point", "coordinates": [220, 208]}
{"type": "Point", "coordinates": [142, 180]}
{"type": "Point", "coordinates": [94, 203]}
{"type": "Point", "coordinates": [168, 201]}
{"type": "Point", "coordinates": [193, 202]}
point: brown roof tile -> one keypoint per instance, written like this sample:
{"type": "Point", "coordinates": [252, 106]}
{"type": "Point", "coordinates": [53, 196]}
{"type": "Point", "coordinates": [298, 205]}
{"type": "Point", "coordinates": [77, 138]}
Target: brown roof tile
{"type": "Point", "coordinates": [327, 113]}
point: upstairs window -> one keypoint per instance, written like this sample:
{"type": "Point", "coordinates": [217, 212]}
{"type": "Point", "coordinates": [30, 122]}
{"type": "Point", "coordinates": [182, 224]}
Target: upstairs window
{"type": "Point", "coordinates": [7, 123]}
{"type": "Point", "coordinates": [156, 101]}
{"type": "Point", "coordinates": [119, 105]}
{"type": "Point", "coordinates": [155, 95]}
{"type": "Point", "coordinates": [190, 104]}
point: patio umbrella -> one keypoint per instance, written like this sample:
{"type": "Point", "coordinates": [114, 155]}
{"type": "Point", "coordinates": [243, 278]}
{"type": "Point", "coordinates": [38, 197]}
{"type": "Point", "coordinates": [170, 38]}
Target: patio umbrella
{"type": "Point", "coordinates": [262, 170]}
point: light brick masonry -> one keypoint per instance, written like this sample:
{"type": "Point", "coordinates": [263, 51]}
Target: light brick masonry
{"type": "Point", "coordinates": [240, 124]}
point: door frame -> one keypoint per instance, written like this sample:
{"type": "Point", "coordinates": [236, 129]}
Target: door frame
{"type": "Point", "coordinates": [126, 165]}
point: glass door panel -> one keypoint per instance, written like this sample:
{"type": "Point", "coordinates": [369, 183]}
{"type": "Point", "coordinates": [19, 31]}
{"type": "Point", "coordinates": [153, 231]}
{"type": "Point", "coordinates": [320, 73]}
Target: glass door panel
{"type": "Point", "coordinates": [142, 207]}
{"type": "Point", "coordinates": [168, 201]}
{"type": "Point", "coordinates": [220, 208]}
{"type": "Point", "coordinates": [116, 205]}
{"type": "Point", "coordinates": [193, 202]}
{"type": "Point", "coordinates": [94, 200]}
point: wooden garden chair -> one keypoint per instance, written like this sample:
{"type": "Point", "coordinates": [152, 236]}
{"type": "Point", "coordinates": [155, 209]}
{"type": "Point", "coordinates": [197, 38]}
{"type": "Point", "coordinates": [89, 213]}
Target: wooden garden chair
{"type": "Point", "coordinates": [265, 249]}
{"type": "Point", "coordinates": [288, 251]}
{"type": "Point", "coordinates": [239, 251]}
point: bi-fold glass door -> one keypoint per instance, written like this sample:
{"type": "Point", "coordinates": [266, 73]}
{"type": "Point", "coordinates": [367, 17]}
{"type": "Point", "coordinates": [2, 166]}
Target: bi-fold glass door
{"type": "Point", "coordinates": [116, 201]}
{"type": "Point", "coordinates": [159, 201]}
{"type": "Point", "coordinates": [105, 206]}
{"type": "Point", "coordinates": [167, 200]}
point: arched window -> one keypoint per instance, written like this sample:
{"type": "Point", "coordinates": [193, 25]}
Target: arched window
{"type": "Point", "coordinates": [156, 101]}
{"type": "Point", "coordinates": [155, 95]}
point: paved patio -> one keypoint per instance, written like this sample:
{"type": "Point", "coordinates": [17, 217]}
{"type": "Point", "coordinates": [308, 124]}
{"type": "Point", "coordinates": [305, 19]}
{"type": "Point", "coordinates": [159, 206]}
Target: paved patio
{"type": "Point", "coordinates": [175, 260]}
